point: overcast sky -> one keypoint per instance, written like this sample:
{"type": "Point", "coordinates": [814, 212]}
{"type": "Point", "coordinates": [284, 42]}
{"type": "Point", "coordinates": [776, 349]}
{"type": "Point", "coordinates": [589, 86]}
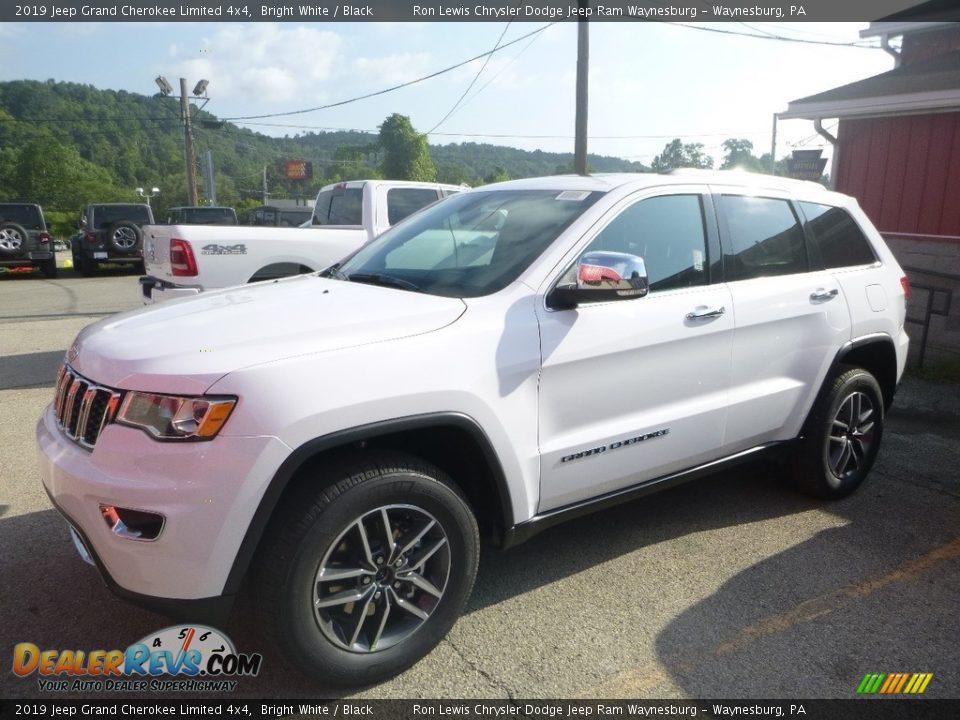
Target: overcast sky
{"type": "Point", "coordinates": [655, 80]}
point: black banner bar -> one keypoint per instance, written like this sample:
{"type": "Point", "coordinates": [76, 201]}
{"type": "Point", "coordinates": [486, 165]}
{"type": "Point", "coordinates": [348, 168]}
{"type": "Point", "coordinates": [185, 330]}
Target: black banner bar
{"type": "Point", "coordinates": [460, 10]}
{"type": "Point", "coordinates": [874, 708]}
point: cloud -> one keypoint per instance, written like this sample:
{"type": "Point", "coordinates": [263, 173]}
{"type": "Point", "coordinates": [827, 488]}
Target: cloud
{"type": "Point", "coordinates": [393, 69]}
{"type": "Point", "coordinates": [266, 61]}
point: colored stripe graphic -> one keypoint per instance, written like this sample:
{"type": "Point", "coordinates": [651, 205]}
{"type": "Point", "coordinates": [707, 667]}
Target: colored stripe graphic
{"type": "Point", "coordinates": [894, 683]}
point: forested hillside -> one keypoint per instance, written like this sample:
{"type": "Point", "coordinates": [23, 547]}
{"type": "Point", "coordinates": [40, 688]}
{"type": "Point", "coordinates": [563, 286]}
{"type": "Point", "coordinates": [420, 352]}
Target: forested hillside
{"type": "Point", "coordinates": [65, 144]}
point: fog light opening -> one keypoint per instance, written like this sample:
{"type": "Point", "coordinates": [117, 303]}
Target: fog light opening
{"type": "Point", "coordinates": [132, 524]}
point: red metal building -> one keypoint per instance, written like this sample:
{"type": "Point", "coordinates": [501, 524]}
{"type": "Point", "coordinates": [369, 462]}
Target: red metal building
{"type": "Point", "coordinates": [897, 148]}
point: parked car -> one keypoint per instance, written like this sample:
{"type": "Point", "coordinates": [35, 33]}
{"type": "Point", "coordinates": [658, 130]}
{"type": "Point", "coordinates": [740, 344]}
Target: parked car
{"type": "Point", "coordinates": [187, 260]}
{"type": "Point", "coordinates": [24, 240]}
{"type": "Point", "coordinates": [201, 215]}
{"type": "Point", "coordinates": [111, 232]}
{"type": "Point", "coordinates": [508, 358]}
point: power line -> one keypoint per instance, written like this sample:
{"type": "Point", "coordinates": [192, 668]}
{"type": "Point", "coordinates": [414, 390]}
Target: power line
{"type": "Point", "coordinates": [522, 136]}
{"type": "Point", "coordinates": [395, 87]}
{"type": "Point", "coordinates": [771, 36]}
{"type": "Point", "coordinates": [503, 69]}
{"type": "Point", "coordinates": [472, 82]}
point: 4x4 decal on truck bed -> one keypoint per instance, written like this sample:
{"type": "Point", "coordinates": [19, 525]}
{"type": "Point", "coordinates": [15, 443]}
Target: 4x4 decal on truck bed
{"type": "Point", "coordinates": [214, 249]}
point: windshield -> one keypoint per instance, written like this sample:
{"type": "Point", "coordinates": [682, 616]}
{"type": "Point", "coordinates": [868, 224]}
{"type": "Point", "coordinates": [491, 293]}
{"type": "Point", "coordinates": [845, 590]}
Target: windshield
{"type": "Point", "coordinates": [470, 244]}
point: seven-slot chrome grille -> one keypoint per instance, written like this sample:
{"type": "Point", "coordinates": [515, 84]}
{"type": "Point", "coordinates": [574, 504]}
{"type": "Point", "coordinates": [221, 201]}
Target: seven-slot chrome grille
{"type": "Point", "coordinates": [83, 408]}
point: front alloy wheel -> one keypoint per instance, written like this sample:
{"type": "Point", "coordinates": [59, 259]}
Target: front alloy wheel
{"type": "Point", "coordinates": [365, 567]}
{"type": "Point", "coordinates": [382, 578]}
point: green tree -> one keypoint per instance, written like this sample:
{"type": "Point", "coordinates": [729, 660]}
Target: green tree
{"type": "Point", "coordinates": [739, 155]}
{"type": "Point", "coordinates": [56, 176]}
{"type": "Point", "coordinates": [455, 173]}
{"type": "Point", "coordinates": [499, 174]}
{"type": "Point", "coordinates": [678, 155]}
{"type": "Point", "coordinates": [406, 155]}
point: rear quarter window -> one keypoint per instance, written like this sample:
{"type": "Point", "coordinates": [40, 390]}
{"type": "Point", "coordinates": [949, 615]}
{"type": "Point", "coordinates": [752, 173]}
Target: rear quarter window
{"type": "Point", "coordinates": [402, 202]}
{"type": "Point", "coordinates": [841, 241]}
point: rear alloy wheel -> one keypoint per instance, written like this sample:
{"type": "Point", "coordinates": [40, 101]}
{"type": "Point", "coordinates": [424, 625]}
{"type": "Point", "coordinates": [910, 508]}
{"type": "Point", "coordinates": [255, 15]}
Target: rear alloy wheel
{"type": "Point", "coordinates": [364, 572]}
{"type": "Point", "coordinates": [125, 237]}
{"type": "Point", "coordinates": [842, 436]}
{"type": "Point", "coordinates": [12, 238]}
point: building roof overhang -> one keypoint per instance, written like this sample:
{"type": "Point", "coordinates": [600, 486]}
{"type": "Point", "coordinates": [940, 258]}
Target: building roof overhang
{"type": "Point", "coordinates": [925, 87]}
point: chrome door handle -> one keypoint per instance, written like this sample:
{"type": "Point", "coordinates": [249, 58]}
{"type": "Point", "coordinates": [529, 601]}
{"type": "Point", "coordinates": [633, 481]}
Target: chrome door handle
{"type": "Point", "coordinates": [823, 294]}
{"type": "Point", "coordinates": [705, 313]}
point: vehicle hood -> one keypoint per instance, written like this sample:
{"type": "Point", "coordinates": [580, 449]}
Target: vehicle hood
{"type": "Point", "coordinates": [184, 346]}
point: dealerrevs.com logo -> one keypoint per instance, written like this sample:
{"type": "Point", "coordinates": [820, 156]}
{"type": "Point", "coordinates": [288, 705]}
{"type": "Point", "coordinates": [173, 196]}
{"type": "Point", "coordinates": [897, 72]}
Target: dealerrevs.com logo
{"type": "Point", "coordinates": [192, 658]}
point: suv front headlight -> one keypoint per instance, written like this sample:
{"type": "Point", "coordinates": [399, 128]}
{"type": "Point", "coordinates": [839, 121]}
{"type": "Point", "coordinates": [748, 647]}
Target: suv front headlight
{"type": "Point", "coordinates": [171, 417]}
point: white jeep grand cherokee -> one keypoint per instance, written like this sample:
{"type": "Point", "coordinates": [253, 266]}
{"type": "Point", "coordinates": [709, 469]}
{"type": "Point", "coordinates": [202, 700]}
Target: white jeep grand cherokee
{"type": "Point", "coordinates": [507, 358]}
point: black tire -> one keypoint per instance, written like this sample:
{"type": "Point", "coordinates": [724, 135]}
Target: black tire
{"type": "Point", "coordinates": [841, 437]}
{"type": "Point", "coordinates": [13, 237]}
{"type": "Point", "coordinates": [85, 266]}
{"type": "Point", "coordinates": [333, 525]}
{"type": "Point", "coordinates": [125, 237]}
{"type": "Point", "coordinates": [49, 268]}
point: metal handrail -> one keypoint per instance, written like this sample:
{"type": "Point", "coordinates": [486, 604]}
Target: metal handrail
{"type": "Point", "coordinates": [929, 308]}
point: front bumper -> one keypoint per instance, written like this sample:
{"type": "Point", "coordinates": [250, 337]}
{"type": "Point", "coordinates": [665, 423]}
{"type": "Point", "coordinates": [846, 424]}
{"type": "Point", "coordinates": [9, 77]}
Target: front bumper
{"type": "Point", "coordinates": [155, 290]}
{"type": "Point", "coordinates": [206, 491]}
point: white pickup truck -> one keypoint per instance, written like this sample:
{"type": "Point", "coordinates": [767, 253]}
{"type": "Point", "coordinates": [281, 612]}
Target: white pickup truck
{"type": "Point", "coordinates": [185, 260]}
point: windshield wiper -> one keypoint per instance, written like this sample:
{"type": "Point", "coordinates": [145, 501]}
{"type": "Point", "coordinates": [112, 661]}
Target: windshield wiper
{"type": "Point", "coordinates": [381, 279]}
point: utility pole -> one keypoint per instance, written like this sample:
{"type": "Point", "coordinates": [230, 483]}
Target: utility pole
{"type": "Point", "coordinates": [264, 184]}
{"type": "Point", "coordinates": [583, 60]}
{"type": "Point", "coordinates": [188, 143]}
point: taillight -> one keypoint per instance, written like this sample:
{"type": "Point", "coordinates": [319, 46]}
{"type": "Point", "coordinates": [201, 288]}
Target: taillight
{"type": "Point", "coordinates": [90, 236]}
{"type": "Point", "coordinates": [182, 261]}
{"type": "Point", "coordinates": [44, 237]}
{"type": "Point", "coordinates": [905, 284]}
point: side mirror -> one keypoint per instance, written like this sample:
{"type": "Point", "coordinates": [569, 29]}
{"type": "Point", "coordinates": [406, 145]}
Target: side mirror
{"type": "Point", "coordinates": [601, 277]}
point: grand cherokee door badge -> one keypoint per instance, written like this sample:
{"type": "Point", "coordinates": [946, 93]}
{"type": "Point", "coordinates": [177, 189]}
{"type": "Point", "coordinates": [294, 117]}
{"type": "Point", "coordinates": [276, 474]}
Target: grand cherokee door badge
{"type": "Point", "coordinates": [616, 445]}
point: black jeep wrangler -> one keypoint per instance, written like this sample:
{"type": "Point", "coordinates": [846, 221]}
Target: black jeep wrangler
{"type": "Point", "coordinates": [24, 239]}
{"type": "Point", "coordinates": [110, 232]}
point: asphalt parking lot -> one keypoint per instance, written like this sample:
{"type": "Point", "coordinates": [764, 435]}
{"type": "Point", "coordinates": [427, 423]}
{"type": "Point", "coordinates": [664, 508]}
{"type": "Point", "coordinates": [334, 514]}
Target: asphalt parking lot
{"type": "Point", "coordinates": [732, 586]}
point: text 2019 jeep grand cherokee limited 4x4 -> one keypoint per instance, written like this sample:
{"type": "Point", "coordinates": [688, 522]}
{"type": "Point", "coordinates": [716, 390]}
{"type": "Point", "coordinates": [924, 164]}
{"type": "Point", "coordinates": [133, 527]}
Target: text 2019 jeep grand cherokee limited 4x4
{"type": "Point", "coordinates": [509, 357]}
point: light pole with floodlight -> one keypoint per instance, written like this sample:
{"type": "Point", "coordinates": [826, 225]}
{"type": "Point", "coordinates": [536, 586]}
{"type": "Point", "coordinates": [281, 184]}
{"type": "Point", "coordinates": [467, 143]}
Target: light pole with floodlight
{"type": "Point", "coordinates": [200, 89]}
{"type": "Point", "coordinates": [153, 193]}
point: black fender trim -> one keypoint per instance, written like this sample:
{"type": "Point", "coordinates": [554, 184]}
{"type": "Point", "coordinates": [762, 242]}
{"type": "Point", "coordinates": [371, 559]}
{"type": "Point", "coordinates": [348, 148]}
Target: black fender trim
{"type": "Point", "coordinates": [863, 341]}
{"type": "Point", "coordinates": [371, 431]}
{"type": "Point", "coordinates": [843, 352]}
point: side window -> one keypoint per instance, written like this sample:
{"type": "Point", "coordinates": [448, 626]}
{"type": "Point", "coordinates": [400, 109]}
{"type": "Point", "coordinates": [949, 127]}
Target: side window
{"type": "Point", "coordinates": [346, 207]}
{"type": "Point", "coordinates": [406, 201]}
{"type": "Point", "coordinates": [765, 235]}
{"type": "Point", "coordinates": [321, 211]}
{"type": "Point", "coordinates": [668, 233]}
{"type": "Point", "coordinates": [841, 241]}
